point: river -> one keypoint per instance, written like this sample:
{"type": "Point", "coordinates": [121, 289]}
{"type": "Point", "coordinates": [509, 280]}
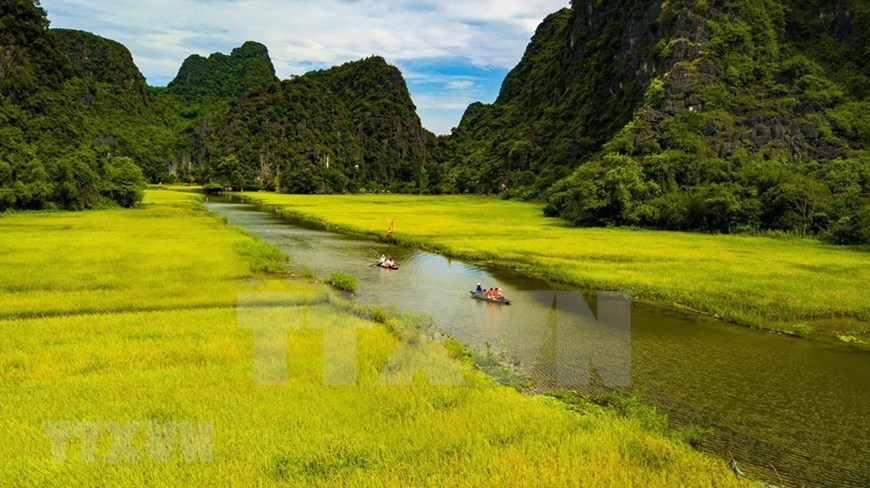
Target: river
{"type": "Point", "coordinates": [791, 411]}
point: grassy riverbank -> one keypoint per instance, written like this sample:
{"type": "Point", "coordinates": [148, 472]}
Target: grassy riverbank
{"type": "Point", "coordinates": [759, 281]}
{"type": "Point", "coordinates": [120, 318]}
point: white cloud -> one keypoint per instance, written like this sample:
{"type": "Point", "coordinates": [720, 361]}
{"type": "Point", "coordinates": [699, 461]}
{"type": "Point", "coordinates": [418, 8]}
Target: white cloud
{"type": "Point", "coordinates": [304, 34]}
{"type": "Point", "coordinates": [460, 84]}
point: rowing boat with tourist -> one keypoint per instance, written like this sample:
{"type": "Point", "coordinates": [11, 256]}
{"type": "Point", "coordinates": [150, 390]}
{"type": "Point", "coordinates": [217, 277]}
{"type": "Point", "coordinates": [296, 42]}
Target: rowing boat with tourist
{"type": "Point", "coordinates": [386, 263]}
{"type": "Point", "coordinates": [492, 295]}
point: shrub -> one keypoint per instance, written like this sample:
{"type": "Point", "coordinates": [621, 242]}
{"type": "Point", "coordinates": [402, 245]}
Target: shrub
{"type": "Point", "coordinates": [342, 281]}
{"type": "Point", "coordinates": [801, 329]}
{"type": "Point", "coordinates": [655, 94]}
{"type": "Point", "coordinates": [125, 184]}
{"type": "Point", "coordinates": [495, 366]}
{"type": "Point", "coordinates": [212, 188]}
{"type": "Point", "coordinates": [852, 222]}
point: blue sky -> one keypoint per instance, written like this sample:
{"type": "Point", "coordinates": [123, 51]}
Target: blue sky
{"type": "Point", "coordinates": [451, 52]}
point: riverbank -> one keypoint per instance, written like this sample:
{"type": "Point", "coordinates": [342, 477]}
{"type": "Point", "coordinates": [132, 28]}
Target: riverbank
{"type": "Point", "coordinates": [115, 320]}
{"type": "Point", "coordinates": [794, 285]}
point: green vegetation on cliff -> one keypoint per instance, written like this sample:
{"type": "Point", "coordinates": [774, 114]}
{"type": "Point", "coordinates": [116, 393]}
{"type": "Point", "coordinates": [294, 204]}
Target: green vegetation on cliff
{"type": "Point", "coordinates": [202, 89]}
{"type": "Point", "coordinates": [220, 75]}
{"type": "Point", "coordinates": [99, 60]}
{"type": "Point", "coordinates": [77, 124]}
{"type": "Point", "coordinates": [724, 116]}
{"type": "Point", "coordinates": [76, 106]}
{"type": "Point", "coordinates": [349, 128]}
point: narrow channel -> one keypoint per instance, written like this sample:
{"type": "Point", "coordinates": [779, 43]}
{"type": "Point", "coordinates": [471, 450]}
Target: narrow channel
{"type": "Point", "coordinates": [790, 411]}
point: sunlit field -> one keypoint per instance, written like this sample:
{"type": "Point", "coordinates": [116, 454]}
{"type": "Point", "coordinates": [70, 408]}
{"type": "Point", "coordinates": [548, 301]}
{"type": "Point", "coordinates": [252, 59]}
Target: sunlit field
{"type": "Point", "coordinates": [120, 318]}
{"type": "Point", "coordinates": [162, 256]}
{"type": "Point", "coordinates": [758, 281]}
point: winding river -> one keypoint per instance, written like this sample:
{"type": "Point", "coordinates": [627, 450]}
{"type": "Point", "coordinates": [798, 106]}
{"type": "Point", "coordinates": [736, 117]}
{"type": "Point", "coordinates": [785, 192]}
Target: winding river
{"type": "Point", "coordinates": [790, 411]}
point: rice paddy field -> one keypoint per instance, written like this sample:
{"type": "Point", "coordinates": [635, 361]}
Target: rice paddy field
{"type": "Point", "coordinates": [123, 362]}
{"type": "Point", "coordinates": [788, 284]}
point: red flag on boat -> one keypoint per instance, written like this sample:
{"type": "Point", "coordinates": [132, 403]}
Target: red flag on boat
{"type": "Point", "coordinates": [390, 230]}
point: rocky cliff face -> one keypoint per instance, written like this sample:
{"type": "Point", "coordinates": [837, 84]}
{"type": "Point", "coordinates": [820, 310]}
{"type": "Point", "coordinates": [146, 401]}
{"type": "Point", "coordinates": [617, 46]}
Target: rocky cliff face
{"type": "Point", "coordinates": [352, 127]}
{"type": "Point", "coordinates": [100, 59]}
{"type": "Point", "coordinates": [686, 114]}
{"type": "Point", "coordinates": [584, 75]}
{"type": "Point", "coordinates": [578, 83]}
{"type": "Point", "coordinates": [77, 121]}
{"type": "Point", "coordinates": [729, 75]}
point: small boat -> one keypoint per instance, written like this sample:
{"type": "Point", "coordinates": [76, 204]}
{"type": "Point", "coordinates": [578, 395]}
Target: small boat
{"type": "Point", "coordinates": [482, 296]}
{"type": "Point", "coordinates": [379, 265]}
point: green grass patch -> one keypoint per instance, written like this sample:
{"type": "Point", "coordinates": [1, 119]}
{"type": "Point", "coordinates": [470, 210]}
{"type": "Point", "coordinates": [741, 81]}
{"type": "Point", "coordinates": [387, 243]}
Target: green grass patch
{"type": "Point", "coordinates": [498, 367]}
{"type": "Point", "coordinates": [164, 255]}
{"type": "Point", "coordinates": [632, 407]}
{"type": "Point", "coordinates": [801, 329]}
{"type": "Point", "coordinates": [342, 281]}
{"type": "Point", "coordinates": [751, 280]}
{"type": "Point", "coordinates": [263, 257]}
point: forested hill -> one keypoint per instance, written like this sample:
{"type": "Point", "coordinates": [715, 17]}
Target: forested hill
{"type": "Point", "coordinates": [719, 115]}
{"type": "Point", "coordinates": [220, 75]}
{"type": "Point", "coordinates": [97, 59]}
{"type": "Point", "coordinates": [75, 123]}
{"type": "Point", "coordinates": [349, 128]}
{"type": "Point", "coordinates": [80, 127]}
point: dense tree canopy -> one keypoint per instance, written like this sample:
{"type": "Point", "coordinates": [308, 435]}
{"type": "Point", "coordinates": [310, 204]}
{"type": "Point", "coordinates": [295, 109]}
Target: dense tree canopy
{"type": "Point", "coordinates": [67, 132]}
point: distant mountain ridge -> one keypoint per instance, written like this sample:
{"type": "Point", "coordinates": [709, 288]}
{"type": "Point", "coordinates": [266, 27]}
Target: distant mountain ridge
{"type": "Point", "coordinates": [75, 102]}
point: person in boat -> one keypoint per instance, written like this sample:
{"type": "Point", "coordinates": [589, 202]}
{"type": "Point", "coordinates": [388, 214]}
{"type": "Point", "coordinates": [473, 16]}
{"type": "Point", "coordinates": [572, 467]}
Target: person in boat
{"type": "Point", "coordinates": [383, 260]}
{"type": "Point", "coordinates": [489, 293]}
{"type": "Point", "coordinates": [478, 289]}
{"type": "Point", "coordinates": [498, 295]}
{"type": "Point", "coordinates": [389, 263]}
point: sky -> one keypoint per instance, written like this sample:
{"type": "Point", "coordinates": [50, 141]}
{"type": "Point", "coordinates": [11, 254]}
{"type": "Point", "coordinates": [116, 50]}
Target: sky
{"type": "Point", "coordinates": [451, 52]}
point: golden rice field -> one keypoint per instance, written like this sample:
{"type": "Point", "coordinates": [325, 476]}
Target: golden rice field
{"type": "Point", "coordinates": [118, 319]}
{"type": "Point", "coordinates": [759, 281]}
{"type": "Point", "coordinates": [116, 260]}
